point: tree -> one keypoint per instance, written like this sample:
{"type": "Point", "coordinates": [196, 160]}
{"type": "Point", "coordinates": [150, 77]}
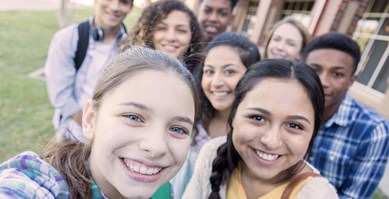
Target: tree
{"type": "Point", "coordinates": [65, 13]}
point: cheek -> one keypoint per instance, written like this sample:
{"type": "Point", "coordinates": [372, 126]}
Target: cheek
{"type": "Point", "coordinates": [186, 39]}
{"type": "Point", "coordinates": [204, 83]}
{"type": "Point", "coordinates": [299, 144]}
{"type": "Point", "coordinates": [126, 9]}
{"type": "Point", "coordinates": [234, 82]}
{"type": "Point", "coordinates": [179, 149]}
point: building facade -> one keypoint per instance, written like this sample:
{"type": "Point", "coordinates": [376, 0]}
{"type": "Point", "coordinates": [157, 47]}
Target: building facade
{"type": "Point", "coordinates": [366, 21]}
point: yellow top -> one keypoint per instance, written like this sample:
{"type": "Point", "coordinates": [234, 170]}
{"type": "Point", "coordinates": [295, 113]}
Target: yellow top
{"type": "Point", "coordinates": [236, 190]}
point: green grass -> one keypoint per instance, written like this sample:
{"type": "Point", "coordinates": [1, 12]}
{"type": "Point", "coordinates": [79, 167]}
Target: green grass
{"type": "Point", "coordinates": [25, 112]}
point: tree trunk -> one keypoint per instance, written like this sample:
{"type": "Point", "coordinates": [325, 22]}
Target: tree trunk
{"type": "Point", "coordinates": [65, 13]}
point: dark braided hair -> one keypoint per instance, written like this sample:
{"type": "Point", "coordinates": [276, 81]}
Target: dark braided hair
{"type": "Point", "coordinates": [227, 157]}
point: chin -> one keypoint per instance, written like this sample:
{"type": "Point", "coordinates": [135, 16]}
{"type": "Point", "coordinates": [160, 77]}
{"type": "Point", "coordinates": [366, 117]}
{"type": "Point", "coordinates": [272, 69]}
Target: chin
{"type": "Point", "coordinates": [137, 193]}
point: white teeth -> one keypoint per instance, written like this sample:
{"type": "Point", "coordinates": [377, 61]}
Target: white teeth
{"type": "Point", "coordinates": [266, 156]}
{"type": "Point", "coordinates": [142, 169]}
{"type": "Point", "coordinates": [220, 94]}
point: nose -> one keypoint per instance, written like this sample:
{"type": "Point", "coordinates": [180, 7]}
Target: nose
{"type": "Point", "coordinates": [280, 45]}
{"type": "Point", "coordinates": [217, 80]}
{"type": "Point", "coordinates": [324, 78]}
{"type": "Point", "coordinates": [272, 138]}
{"type": "Point", "coordinates": [154, 144]}
{"type": "Point", "coordinates": [114, 5]}
{"type": "Point", "coordinates": [171, 35]}
{"type": "Point", "coordinates": [213, 16]}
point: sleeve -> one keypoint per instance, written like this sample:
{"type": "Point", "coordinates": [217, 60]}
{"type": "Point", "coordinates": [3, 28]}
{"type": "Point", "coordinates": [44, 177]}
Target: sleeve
{"type": "Point", "coordinates": [199, 185]}
{"type": "Point", "coordinates": [369, 165]}
{"type": "Point", "coordinates": [14, 184]}
{"type": "Point", "coordinates": [60, 71]}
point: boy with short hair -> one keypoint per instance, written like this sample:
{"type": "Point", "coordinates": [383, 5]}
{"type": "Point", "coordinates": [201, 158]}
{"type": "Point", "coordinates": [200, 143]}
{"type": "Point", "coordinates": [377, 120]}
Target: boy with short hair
{"type": "Point", "coordinates": [69, 86]}
{"type": "Point", "coordinates": [215, 16]}
{"type": "Point", "coordinates": [352, 147]}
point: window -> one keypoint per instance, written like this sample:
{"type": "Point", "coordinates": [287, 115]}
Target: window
{"type": "Point", "coordinates": [249, 20]}
{"type": "Point", "coordinates": [299, 9]}
{"type": "Point", "coordinates": [372, 34]}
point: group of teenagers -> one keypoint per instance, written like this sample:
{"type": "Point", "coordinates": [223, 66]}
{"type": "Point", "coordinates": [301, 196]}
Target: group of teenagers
{"type": "Point", "coordinates": [182, 105]}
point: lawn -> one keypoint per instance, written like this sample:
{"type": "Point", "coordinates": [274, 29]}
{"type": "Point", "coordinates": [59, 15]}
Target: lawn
{"type": "Point", "coordinates": [25, 112]}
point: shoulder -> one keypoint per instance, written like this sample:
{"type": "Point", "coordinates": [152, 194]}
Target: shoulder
{"type": "Point", "coordinates": [67, 31]}
{"type": "Point", "coordinates": [28, 175]}
{"type": "Point", "coordinates": [365, 113]}
{"type": "Point", "coordinates": [361, 122]}
{"type": "Point", "coordinates": [319, 188]}
{"type": "Point", "coordinates": [209, 152]}
{"type": "Point", "coordinates": [214, 144]}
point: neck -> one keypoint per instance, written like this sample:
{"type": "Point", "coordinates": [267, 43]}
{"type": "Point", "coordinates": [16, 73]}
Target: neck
{"type": "Point", "coordinates": [255, 187]}
{"type": "Point", "coordinates": [110, 34]}
{"type": "Point", "coordinates": [223, 114]}
{"type": "Point", "coordinates": [218, 124]}
{"type": "Point", "coordinates": [330, 111]}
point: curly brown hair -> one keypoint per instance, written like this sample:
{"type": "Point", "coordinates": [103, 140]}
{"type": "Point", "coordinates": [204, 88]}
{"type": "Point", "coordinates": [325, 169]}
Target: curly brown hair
{"type": "Point", "coordinates": [142, 32]}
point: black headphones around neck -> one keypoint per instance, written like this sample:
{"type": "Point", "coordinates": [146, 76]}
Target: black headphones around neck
{"type": "Point", "coordinates": [98, 33]}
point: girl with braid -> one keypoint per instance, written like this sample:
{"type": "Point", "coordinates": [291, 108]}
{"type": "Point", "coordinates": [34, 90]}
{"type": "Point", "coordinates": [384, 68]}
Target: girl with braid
{"type": "Point", "coordinates": [274, 119]}
{"type": "Point", "coordinates": [227, 57]}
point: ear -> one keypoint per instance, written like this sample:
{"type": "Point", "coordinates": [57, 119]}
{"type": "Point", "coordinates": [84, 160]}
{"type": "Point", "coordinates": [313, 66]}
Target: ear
{"type": "Point", "coordinates": [352, 80]}
{"type": "Point", "coordinates": [89, 120]}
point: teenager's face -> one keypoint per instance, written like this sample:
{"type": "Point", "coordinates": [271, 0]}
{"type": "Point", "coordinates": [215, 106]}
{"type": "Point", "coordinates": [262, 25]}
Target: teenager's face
{"type": "Point", "coordinates": [273, 126]}
{"type": "Point", "coordinates": [173, 34]}
{"type": "Point", "coordinates": [286, 43]}
{"type": "Point", "coordinates": [109, 14]}
{"type": "Point", "coordinates": [222, 70]}
{"type": "Point", "coordinates": [214, 17]}
{"type": "Point", "coordinates": [140, 133]}
{"type": "Point", "coordinates": [335, 69]}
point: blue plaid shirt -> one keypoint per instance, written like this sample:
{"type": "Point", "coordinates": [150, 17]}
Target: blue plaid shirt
{"type": "Point", "coordinates": [351, 150]}
{"type": "Point", "coordinates": [27, 176]}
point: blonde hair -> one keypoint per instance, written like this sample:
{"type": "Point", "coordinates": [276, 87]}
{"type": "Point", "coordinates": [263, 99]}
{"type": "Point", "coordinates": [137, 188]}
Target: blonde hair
{"type": "Point", "coordinates": [287, 20]}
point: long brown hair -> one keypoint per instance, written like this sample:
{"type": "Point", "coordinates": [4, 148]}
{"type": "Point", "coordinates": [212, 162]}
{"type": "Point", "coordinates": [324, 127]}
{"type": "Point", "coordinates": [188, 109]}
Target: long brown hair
{"type": "Point", "coordinates": [70, 158]}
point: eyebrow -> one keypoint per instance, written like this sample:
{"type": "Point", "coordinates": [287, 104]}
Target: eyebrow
{"type": "Point", "coordinates": [335, 67]}
{"type": "Point", "coordinates": [145, 108]}
{"type": "Point", "coordinates": [137, 105]}
{"type": "Point", "coordinates": [184, 119]}
{"type": "Point", "coordinates": [223, 66]}
{"type": "Point", "coordinates": [296, 117]}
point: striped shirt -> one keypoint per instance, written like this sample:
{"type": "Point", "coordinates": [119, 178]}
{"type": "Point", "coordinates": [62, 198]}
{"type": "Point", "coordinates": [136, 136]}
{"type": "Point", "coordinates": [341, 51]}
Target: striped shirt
{"type": "Point", "coordinates": [351, 149]}
{"type": "Point", "coordinates": [27, 176]}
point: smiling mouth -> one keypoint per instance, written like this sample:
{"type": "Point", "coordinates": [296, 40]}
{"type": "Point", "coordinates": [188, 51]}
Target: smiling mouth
{"type": "Point", "coordinates": [141, 168]}
{"type": "Point", "coordinates": [266, 156]}
{"type": "Point", "coordinates": [220, 94]}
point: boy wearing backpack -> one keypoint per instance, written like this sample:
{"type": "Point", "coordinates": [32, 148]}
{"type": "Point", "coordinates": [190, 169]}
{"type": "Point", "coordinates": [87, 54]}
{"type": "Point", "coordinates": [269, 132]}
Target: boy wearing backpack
{"type": "Point", "coordinates": [77, 55]}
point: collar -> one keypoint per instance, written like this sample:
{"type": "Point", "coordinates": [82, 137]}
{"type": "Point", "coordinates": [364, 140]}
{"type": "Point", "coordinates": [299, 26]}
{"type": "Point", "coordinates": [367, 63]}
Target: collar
{"type": "Point", "coordinates": [96, 192]}
{"type": "Point", "coordinates": [346, 113]}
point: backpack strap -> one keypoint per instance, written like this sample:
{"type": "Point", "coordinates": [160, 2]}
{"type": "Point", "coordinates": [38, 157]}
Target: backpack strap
{"type": "Point", "coordinates": [82, 44]}
{"type": "Point", "coordinates": [296, 181]}
{"type": "Point", "coordinates": [83, 41]}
